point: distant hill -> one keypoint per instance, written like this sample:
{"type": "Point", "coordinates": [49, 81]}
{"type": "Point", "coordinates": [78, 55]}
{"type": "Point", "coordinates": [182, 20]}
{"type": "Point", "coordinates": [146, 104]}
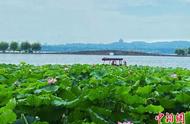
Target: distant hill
{"type": "Point", "coordinates": [115, 52]}
{"type": "Point", "coordinates": [141, 46]}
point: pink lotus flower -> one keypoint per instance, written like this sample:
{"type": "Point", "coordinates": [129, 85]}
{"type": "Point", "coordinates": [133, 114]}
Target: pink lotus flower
{"type": "Point", "coordinates": [52, 80]}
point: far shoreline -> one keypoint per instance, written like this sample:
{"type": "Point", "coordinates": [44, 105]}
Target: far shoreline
{"type": "Point", "coordinates": [100, 52]}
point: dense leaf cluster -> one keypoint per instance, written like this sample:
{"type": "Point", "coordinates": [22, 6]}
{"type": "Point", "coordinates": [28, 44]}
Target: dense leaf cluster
{"type": "Point", "coordinates": [91, 94]}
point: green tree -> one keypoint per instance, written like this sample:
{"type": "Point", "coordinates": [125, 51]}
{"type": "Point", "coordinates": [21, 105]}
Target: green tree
{"type": "Point", "coordinates": [36, 47]}
{"type": "Point", "coordinates": [4, 46]}
{"type": "Point", "coordinates": [13, 46]}
{"type": "Point", "coordinates": [25, 46]}
{"type": "Point", "coordinates": [180, 52]}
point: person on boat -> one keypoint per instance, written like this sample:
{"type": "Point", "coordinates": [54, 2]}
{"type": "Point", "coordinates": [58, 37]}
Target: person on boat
{"type": "Point", "coordinates": [125, 62]}
{"type": "Point", "coordinates": [113, 63]}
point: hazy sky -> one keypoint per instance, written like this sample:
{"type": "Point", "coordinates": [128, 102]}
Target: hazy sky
{"type": "Point", "coordinates": [64, 21]}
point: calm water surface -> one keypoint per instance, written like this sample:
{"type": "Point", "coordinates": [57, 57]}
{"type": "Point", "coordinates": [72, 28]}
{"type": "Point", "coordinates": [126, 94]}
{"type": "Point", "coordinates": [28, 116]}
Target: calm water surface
{"type": "Point", "coordinates": [40, 59]}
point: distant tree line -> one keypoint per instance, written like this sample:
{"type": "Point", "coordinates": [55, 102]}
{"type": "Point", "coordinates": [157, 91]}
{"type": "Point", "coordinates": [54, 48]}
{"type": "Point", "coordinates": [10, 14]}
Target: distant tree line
{"type": "Point", "coordinates": [25, 47]}
{"type": "Point", "coordinates": [182, 52]}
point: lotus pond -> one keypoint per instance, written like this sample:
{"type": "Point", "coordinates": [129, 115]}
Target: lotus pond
{"type": "Point", "coordinates": [91, 94]}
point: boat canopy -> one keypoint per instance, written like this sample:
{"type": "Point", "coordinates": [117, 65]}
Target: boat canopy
{"type": "Point", "coordinates": [112, 59]}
